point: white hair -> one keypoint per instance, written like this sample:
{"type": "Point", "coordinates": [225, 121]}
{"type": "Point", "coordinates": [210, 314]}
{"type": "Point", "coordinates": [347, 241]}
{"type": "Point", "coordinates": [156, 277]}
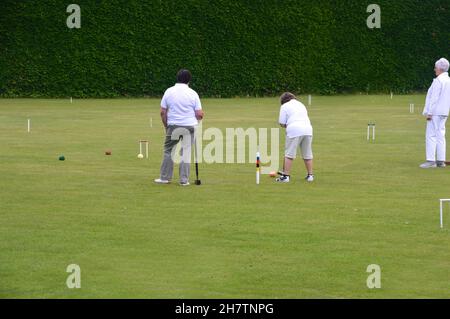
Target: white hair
{"type": "Point", "coordinates": [443, 65]}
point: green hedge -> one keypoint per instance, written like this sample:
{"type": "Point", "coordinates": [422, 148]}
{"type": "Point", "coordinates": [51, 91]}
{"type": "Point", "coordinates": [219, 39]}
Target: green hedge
{"type": "Point", "coordinates": [234, 48]}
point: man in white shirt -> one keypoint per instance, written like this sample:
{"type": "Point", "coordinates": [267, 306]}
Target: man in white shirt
{"type": "Point", "coordinates": [436, 110]}
{"type": "Point", "coordinates": [180, 112]}
{"type": "Point", "coordinates": [299, 134]}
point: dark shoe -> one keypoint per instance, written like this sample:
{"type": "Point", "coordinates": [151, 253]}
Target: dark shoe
{"type": "Point", "coordinates": [441, 164]}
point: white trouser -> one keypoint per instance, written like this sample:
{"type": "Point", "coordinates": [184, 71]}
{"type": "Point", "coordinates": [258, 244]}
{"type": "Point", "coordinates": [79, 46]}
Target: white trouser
{"type": "Point", "coordinates": [435, 138]}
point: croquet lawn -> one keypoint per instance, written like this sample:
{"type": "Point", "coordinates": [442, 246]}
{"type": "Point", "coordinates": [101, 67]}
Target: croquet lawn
{"type": "Point", "coordinates": [229, 238]}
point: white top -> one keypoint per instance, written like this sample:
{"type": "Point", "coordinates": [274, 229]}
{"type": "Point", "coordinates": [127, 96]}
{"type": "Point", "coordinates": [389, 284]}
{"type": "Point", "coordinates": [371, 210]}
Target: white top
{"type": "Point", "coordinates": [181, 103]}
{"type": "Point", "coordinates": [294, 115]}
{"type": "Point", "coordinates": [438, 97]}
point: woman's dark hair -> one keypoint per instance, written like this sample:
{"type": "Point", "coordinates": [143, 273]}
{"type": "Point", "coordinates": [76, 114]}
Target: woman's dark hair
{"type": "Point", "coordinates": [184, 76]}
{"type": "Point", "coordinates": [286, 97]}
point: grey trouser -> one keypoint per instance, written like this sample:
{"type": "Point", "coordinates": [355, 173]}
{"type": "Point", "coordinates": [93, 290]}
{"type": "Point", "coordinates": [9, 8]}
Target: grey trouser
{"type": "Point", "coordinates": [175, 134]}
{"type": "Point", "coordinates": [305, 144]}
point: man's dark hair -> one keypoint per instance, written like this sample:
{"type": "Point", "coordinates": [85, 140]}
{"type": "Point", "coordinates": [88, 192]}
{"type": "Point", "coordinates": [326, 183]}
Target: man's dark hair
{"type": "Point", "coordinates": [286, 97]}
{"type": "Point", "coordinates": [184, 76]}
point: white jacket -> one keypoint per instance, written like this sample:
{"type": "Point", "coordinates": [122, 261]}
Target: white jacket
{"type": "Point", "coordinates": [438, 97]}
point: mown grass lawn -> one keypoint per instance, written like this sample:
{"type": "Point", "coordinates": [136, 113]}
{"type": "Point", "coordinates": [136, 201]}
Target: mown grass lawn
{"type": "Point", "coordinates": [228, 238]}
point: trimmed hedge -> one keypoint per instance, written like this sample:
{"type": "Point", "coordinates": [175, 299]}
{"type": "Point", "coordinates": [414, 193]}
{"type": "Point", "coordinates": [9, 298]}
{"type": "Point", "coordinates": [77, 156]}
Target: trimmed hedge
{"type": "Point", "coordinates": [233, 48]}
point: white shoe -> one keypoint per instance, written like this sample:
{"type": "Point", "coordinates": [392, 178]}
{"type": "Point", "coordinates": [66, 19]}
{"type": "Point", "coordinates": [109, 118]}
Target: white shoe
{"type": "Point", "coordinates": [184, 184]}
{"type": "Point", "coordinates": [283, 179]}
{"type": "Point", "coordinates": [309, 178]}
{"type": "Point", "coordinates": [428, 164]}
{"type": "Point", "coordinates": [161, 181]}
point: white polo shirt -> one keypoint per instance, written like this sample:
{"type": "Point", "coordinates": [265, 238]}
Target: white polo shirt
{"type": "Point", "coordinates": [294, 115]}
{"type": "Point", "coordinates": [181, 103]}
{"type": "Point", "coordinates": [438, 97]}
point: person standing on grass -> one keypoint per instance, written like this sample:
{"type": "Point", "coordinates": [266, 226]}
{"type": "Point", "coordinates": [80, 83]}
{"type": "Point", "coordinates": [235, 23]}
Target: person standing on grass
{"type": "Point", "coordinates": [299, 134]}
{"type": "Point", "coordinates": [181, 110]}
{"type": "Point", "coordinates": [436, 110]}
